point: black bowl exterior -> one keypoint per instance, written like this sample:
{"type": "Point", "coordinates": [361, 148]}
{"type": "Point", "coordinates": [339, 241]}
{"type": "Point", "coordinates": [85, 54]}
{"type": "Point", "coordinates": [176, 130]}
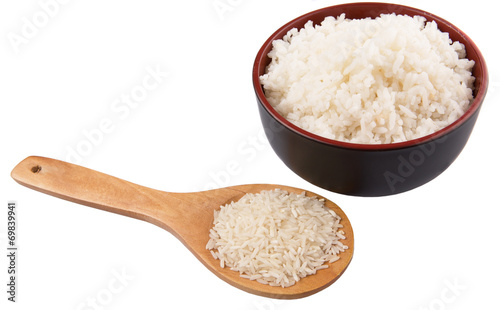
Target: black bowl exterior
{"type": "Point", "coordinates": [364, 172]}
{"type": "Point", "coordinates": [368, 170]}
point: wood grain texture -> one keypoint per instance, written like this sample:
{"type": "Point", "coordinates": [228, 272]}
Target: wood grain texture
{"type": "Point", "coordinates": [188, 216]}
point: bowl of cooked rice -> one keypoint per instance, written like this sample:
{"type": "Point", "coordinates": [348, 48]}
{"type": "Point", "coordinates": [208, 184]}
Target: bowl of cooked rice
{"type": "Point", "coordinates": [369, 99]}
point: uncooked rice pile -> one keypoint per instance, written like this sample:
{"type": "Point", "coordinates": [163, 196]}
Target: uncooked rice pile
{"type": "Point", "coordinates": [276, 238]}
{"type": "Point", "coordinates": [383, 80]}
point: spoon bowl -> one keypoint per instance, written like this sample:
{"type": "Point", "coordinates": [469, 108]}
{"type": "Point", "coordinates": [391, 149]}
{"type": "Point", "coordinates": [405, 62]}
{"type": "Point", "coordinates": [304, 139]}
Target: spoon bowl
{"type": "Point", "coordinates": [188, 216]}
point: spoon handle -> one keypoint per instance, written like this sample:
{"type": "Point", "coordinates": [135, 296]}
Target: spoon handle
{"type": "Point", "coordinates": [95, 189]}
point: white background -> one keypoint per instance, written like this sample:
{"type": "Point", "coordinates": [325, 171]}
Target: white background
{"type": "Point", "coordinates": [435, 247]}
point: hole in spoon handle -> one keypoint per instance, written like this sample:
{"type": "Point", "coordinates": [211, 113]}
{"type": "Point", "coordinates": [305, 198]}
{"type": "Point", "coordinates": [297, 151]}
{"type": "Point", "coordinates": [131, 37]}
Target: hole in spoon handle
{"type": "Point", "coordinates": [36, 169]}
{"type": "Point", "coordinates": [88, 187]}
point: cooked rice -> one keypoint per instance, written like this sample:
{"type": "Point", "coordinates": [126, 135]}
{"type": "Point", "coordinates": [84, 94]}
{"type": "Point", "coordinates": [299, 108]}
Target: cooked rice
{"type": "Point", "coordinates": [276, 238]}
{"type": "Point", "coordinates": [384, 80]}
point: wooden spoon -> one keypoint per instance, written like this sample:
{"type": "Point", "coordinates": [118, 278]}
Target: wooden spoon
{"type": "Point", "coordinates": [188, 216]}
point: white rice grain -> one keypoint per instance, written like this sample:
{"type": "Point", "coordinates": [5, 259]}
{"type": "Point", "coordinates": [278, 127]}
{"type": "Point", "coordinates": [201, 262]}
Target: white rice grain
{"type": "Point", "coordinates": [298, 236]}
{"type": "Point", "coordinates": [384, 80]}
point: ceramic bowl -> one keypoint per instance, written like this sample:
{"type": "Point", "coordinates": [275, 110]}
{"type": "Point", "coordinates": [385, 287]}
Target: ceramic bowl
{"type": "Point", "coordinates": [368, 169]}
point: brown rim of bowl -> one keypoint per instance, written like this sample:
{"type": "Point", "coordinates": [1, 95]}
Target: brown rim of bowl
{"type": "Point", "coordinates": [472, 50]}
